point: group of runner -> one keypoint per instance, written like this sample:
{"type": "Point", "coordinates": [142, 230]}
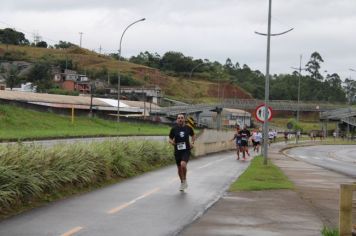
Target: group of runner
{"type": "Point", "coordinates": [242, 138]}
{"type": "Point", "coordinates": [179, 137]}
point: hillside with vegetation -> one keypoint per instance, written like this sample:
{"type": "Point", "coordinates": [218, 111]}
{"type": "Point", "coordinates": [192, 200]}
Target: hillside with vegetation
{"type": "Point", "coordinates": [18, 124]}
{"type": "Point", "coordinates": [180, 77]}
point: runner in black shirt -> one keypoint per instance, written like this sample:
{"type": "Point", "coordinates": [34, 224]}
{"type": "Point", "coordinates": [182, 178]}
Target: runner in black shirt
{"type": "Point", "coordinates": [237, 138]}
{"type": "Point", "coordinates": [245, 135]}
{"type": "Point", "coordinates": [179, 137]}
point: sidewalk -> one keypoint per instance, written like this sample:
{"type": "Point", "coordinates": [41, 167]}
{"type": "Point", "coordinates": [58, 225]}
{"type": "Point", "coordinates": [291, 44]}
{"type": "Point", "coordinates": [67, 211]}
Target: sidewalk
{"type": "Point", "coordinates": [304, 211]}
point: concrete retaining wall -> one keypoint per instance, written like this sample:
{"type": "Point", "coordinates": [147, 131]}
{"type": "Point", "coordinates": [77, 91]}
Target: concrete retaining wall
{"type": "Point", "coordinates": [210, 141]}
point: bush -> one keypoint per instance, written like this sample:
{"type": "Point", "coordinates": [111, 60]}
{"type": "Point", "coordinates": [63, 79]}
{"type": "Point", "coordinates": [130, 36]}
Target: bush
{"type": "Point", "coordinates": [63, 92]}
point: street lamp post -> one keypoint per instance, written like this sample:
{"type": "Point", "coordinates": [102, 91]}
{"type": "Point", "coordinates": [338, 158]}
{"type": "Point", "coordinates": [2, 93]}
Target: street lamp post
{"type": "Point", "coordinates": [299, 78]}
{"type": "Point", "coordinates": [265, 124]}
{"type": "Point", "coordinates": [118, 82]}
{"type": "Point", "coordinates": [350, 101]}
{"type": "Point", "coordinates": [191, 72]}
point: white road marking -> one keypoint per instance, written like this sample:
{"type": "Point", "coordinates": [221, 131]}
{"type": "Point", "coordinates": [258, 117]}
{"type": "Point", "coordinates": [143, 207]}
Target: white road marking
{"type": "Point", "coordinates": [72, 231]}
{"type": "Point", "coordinates": [123, 206]}
{"type": "Point", "coordinates": [213, 162]}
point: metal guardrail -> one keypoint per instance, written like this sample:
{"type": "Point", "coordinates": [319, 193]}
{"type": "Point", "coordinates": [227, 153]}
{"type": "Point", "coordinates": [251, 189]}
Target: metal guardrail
{"type": "Point", "coordinates": [349, 120]}
{"type": "Point", "coordinates": [338, 113]}
{"type": "Point", "coordinates": [278, 105]}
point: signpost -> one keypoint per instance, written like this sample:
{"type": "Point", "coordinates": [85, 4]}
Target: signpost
{"type": "Point", "coordinates": [260, 113]}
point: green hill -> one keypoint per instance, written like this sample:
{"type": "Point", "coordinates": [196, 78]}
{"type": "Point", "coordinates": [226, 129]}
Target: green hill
{"type": "Point", "coordinates": [23, 124]}
{"type": "Point", "coordinates": [194, 90]}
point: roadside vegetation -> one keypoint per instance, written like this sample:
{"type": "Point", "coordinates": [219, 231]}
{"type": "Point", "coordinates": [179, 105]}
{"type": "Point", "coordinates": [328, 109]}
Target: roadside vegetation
{"type": "Point", "coordinates": [23, 124]}
{"type": "Point", "coordinates": [31, 175]}
{"type": "Point", "coordinates": [329, 232]}
{"type": "Point", "coordinates": [261, 177]}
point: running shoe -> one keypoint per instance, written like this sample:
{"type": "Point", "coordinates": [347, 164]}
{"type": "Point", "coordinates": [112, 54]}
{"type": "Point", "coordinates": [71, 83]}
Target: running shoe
{"type": "Point", "coordinates": [181, 188]}
{"type": "Point", "coordinates": [185, 185]}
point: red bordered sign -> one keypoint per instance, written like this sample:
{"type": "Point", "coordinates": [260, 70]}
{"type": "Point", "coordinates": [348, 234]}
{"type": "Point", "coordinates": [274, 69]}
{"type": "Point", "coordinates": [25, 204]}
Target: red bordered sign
{"type": "Point", "coordinates": [260, 113]}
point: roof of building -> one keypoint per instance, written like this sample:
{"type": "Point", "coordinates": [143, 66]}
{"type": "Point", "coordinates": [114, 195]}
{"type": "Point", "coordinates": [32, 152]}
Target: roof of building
{"type": "Point", "coordinates": [82, 102]}
{"type": "Point", "coordinates": [237, 111]}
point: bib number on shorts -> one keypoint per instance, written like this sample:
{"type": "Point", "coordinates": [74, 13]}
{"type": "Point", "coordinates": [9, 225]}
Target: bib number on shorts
{"type": "Point", "coordinates": [181, 146]}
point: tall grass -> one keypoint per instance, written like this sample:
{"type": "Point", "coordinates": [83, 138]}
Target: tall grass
{"type": "Point", "coordinates": [31, 172]}
{"type": "Point", "coordinates": [329, 231]}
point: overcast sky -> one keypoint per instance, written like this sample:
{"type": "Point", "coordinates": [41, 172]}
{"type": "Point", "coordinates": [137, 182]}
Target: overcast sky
{"type": "Point", "coordinates": [206, 29]}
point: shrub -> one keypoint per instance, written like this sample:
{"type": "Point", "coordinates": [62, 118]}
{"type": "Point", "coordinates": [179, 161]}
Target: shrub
{"type": "Point", "coordinates": [32, 172]}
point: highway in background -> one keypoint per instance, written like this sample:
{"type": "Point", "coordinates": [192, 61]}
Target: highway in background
{"type": "Point", "coordinates": [339, 158]}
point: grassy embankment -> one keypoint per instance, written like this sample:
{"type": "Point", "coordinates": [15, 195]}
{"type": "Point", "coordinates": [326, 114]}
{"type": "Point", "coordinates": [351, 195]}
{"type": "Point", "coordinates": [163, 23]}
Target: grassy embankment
{"type": "Point", "coordinates": [307, 125]}
{"type": "Point", "coordinates": [21, 124]}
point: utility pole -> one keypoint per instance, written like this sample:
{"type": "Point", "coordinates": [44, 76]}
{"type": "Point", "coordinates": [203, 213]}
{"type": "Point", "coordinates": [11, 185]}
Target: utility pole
{"type": "Point", "coordinates": [100, 49]}
{"type": "Point", "coordinates": [80, 39]}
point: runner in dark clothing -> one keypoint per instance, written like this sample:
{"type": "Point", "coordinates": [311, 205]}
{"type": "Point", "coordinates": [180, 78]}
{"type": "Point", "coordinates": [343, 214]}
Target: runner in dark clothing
{"type": "Point", "coordinates": [237, 138]}
{"type": "Point", "coordinates": [179, 138]}
{"type": "Point", "coordinates": [245, 135]}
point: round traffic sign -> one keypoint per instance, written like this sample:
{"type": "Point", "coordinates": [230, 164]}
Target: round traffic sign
{"type": "Point", "coordinates": [260, 113]}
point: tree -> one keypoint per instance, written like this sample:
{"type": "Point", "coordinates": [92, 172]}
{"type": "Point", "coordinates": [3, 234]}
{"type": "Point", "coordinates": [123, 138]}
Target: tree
{"type": "Point", "coordinates": [148, 59]}
{"type": "Point", "coordinates": [313, 66]}
{"type": "Point", "coordinates": [64, 44]}
{"type": "Point", "coordinates": [11, 36]}
{"type": "Point", "coordinates": [350, 89]}
{"type": "Point", "coordinates": [42, 44]}
{"type": "Point", "coordinates": [11, 76]}
{"type": "Point", "coordinates": [177, 62]}
{"type": "Point", "coordinates": [40, 75]}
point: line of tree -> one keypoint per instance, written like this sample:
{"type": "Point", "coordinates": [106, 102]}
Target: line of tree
{"type": "Point", "coordinates": [314, 86]}
{"type": "Point", "coordinates": [13, 37]}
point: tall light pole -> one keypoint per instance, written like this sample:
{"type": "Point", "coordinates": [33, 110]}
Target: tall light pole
{"type": "Point", "coordinates": [265, 124]}
{"type": "Point", "coordinates": [299, 77]}
{"type": "Point", "coordinates": [80, 39]}
{"type": "Point", "coordinates": [191, 72]}
{"type": "Point", "coordinates": [350, 101]}
{"type": "Point", "coordinates": [119, 80]}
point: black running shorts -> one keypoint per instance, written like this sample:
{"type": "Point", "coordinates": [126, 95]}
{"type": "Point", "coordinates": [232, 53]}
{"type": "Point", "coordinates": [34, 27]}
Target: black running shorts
{"type": "Point", "coordinates": [244, 143]}
{"type": "Point", "coordinates": [182, 156]}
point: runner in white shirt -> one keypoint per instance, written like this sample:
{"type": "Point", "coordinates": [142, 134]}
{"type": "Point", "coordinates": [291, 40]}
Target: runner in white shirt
{"type": "Point", "coordinates": [258, 139]}
{"type": "Point", "coordinates": [270, 136]}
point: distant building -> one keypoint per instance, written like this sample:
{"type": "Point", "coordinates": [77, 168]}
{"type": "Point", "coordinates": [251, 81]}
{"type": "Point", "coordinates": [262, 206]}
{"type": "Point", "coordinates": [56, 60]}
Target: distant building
{"type": "Point", "coordinates": [72, 81]}
{"type": "Point", "coordinates": [27, 87]}
{"type": "Point", "coordinates": [229, 118]}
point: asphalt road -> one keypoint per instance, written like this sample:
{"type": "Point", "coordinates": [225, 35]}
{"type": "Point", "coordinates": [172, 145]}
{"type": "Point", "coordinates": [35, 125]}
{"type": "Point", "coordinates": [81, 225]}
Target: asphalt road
{"type": "Point", "coordinates": [339, 158]}
{"type": "Point", "coordinates": [146, 205]}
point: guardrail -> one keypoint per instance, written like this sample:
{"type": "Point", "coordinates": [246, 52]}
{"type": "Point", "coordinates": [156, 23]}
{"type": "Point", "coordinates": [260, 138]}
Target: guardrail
{"type": "Point", "coordinates": [345, 217]}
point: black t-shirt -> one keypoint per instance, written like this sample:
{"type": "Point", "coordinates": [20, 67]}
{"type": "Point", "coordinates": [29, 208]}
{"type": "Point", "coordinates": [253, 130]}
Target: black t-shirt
{"type": "Point", "coordinates": [180, 135]}
{"type": "Point", "coordinates": [245, 134]}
